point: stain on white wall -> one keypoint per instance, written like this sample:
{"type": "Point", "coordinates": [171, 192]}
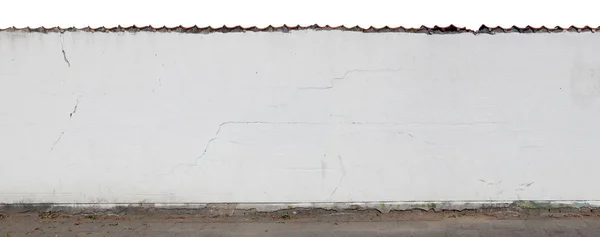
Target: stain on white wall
{"type": "Point", "coordinates": [306, 116]}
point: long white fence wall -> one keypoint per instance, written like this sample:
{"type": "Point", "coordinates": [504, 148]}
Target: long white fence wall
{"type": "Point", "coordinates": [305, 116]}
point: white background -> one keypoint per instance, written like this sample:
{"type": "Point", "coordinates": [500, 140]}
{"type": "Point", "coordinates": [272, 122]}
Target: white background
{"type": "Point", "coordinates": [468, 13]}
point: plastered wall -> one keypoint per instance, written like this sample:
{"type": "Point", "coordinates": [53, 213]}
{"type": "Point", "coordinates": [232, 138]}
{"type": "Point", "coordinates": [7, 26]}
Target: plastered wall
{"type": "Point", "coordinates": [306, 116]}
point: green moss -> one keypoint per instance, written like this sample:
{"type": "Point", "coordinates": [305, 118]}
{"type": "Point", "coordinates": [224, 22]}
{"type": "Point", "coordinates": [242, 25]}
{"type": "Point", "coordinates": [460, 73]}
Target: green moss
{"type": "Point", "coordinates": [425, 206]}
{"type": "Point", "coordinates": [538, 205]}
{"type": "Point", "coordinates": [525, 204]}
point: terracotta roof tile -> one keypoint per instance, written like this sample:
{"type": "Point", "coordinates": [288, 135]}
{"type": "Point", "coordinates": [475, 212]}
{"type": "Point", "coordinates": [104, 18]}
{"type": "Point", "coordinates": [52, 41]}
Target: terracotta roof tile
{"type": "Point", "coordinates": [451, 29]}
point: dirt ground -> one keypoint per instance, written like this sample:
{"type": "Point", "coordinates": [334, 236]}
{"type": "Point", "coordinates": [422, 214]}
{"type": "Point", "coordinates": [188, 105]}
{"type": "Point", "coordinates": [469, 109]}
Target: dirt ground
{"type": "Point", "coordinates": [304, 222]}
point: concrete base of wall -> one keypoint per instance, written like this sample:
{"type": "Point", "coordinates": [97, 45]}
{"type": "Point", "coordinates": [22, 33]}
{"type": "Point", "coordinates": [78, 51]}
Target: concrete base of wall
{"type": "Point", "coordinates": [493, 208]}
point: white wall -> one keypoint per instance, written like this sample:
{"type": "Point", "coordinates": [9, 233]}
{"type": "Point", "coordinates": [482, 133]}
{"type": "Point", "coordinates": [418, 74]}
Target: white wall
{"type": "Point", "coordinates": [307, 116]}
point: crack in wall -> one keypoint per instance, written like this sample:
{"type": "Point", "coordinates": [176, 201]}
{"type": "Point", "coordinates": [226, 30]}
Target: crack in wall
{"type": "Point", "coordinates": [348, 72]}
{"type": "Point", "coordinates": [223, 124]}
{"type": "Point", "coordinates": [249, 122]}
{"type": "Point", "coordinates": [63, 132]}
{"type": "Point", "coordinates": [216, 136]}
{"type": "Point", "coordinates": [57, 140]}
{"type": "Point", "coordinates": [524, 186]}
{"type": "Point", "coordinates": [429, 123]}
{"type": "Point", "coordinates": [62, 47]}
{"type": "Point", "coordinates": [74, 109]}
{"type": "Point", "coordinates": [412, 136]}
{"type": "Point", "coordinates": [341, 178]}
{"type": "Point", "coordinates": [527, 184]}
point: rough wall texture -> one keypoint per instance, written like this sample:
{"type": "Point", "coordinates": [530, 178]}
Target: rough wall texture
{"type": "Point", "coordinates": [305, 116]}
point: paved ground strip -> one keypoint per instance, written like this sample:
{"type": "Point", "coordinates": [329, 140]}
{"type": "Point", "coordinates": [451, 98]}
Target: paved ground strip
{"type": "Point", "coordinates": [32, 224]}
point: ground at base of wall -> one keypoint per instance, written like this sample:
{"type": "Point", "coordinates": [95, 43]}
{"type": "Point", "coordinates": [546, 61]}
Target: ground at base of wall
{"type": "Point", "coordinates": [384, 211]}
{"type": "Point", "coordinates": [224, 213]}
{"type": "Point", "coordinates": [56, 224]}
